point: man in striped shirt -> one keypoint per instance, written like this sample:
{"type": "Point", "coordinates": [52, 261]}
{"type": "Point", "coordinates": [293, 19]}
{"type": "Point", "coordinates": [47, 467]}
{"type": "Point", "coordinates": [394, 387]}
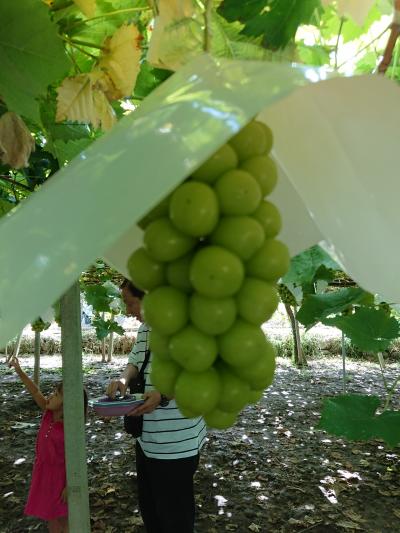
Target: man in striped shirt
{"type": "Point", "coordinates": [167, 452]}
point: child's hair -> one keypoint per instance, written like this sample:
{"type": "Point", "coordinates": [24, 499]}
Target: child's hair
{"type": "Point", "coordinates": [59, 388]}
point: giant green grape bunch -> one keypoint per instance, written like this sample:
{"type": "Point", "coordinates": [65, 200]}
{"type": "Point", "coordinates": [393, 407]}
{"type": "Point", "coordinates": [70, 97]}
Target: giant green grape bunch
{"type": "Point", "coordinates": [209, 264]}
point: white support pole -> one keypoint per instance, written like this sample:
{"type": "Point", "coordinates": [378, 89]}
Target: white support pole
{"type": "Point", "coordinates": [74, 423]}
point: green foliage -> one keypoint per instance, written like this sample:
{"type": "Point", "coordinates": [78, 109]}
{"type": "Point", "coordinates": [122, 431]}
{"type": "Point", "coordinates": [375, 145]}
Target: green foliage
{"type": "Point", "coordinates": [39, 325]}
{"type": "Point", "coordinates": [29, 65]}
{"type": "Point", "coordinates": [105, 327]}
{"type": "Point", "coordinates": [316, 307]}
{"type": "Point", "coordinates": [65, 151]}
{"type": "Point", "coordinates": [370, 329]}
{"type": "Point", "coordinates": [275, 20]}
{"type": "Point", "coordinates": [148, 79]}
{"type": "Point", "coordinates": [354, 416]}
{"type": "Point", "coordinates": [305, 266]}
{"type": "Point", "coordinates": [101, 297]}
{"type": "Point", "coordinates": [5, 206]}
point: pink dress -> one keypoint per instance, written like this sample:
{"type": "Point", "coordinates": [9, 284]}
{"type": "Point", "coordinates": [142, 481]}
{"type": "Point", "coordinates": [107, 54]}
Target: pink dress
{"type": "Point", "coordinates": [48, 475]}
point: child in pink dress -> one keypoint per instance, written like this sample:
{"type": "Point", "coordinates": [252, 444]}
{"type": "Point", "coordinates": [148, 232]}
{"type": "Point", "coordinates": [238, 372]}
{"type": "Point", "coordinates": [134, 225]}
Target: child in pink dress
{"type": "Point", "coordinates": [48, 492]}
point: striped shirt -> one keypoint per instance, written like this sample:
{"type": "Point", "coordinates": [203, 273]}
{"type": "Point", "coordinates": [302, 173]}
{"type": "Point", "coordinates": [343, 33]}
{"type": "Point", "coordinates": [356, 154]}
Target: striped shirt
{"type": "Point", "coordinates": [166, 434]}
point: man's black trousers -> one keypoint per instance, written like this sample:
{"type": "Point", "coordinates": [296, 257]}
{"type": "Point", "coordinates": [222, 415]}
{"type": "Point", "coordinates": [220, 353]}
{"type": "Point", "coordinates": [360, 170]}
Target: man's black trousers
{"type": "Point", "coordinates": [166, 496]}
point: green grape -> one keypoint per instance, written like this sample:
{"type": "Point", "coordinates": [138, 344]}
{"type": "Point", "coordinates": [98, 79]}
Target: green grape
{"type": "Point", "coordinates": [194, 350]}
{"type": "Point", "coordinates": [234, 391]}
{"type": "Point", "coordinates": [198, 392]}
{"type": "Point", "coordinates": [220, 419]}
{"type": "Point", "coordinates": [268, 135]}
{"type": "Point", "coordinates": [178, 273]}
{"type": "Point", "coordinates": [255, 396]}
{"type": "Point", "coordinates": [250, 141]}
{"type": "Point", "coordinates": [159, 211]}
{"type": "Point", "coordinates": [238, 193]}
{"type": "Point", "coordinates": [242, 235]}
{"type": "Point", "coordinates": [166, 310]}
{"type": "Point", "coordinates": [216, 272]}
{"type": "Point", "coordinates": [159, 345]}
{"type": "Point", "coordinates": [163, 242]}
{"type": "Point", "coordinates": [260, 374]}
{"type": "Point", "coordinates": [268, 216]}
{"type": "Point", "coordinates": [264, 170]}
{"type": "Point", "coordinates": [212, 315]}
{"type": "Point", "coordinates": [220, 162]}
{"type": "Point", "coordinates": [257, 300]}
{"type": "Point", "coordinates": [145, 272]}
{"type": "Point", "coordinates": [242, 344]}
{"type": "Point", "coordinates": [164, 375]}
{"type": "Point", "coordinates": [193, 209]}
{"type": "Point", "coordinates": [187, 413]}
{"type": "Point", "coordinates": [270, 262]}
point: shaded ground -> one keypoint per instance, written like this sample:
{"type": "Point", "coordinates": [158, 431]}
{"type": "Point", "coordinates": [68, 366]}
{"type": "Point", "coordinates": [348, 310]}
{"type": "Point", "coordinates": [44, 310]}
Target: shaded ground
{"type": "Point", "coordinates": [272, 472]}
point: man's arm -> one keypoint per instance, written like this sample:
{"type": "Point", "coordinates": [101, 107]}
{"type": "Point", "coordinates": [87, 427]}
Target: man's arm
{"type": "Point", "coordinates": [121, 384]}
{"type": "Point", "coordinates": [32, 388]}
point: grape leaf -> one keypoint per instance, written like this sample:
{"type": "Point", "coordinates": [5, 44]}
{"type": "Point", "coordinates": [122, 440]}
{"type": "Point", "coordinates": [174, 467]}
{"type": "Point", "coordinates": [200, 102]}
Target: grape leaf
{"type": "Point", "coordinates": [275, 20]}
{"type": "Point", "coordinates": [104, 327]}
{"type": "Point", "coordinates": [120, 60]}
{"type": "Point", "coordinates": [88, 7]}
{"type": "Point", "coordinates": [97, 297]}
{"type": "Point", "coordinates": [349, 416]}
{"type": "Point", "coordinates": [353, 416]}
{"type": "Point", "coordinates": [149, 78]}
{"type": "Point", "coordinates": [370, 329]}
{"type": "Point", "coordinates": [305, 265]}
{"type": "Point", "coordinates": [32, 55]}
{"type": "Point", "coordinates": [5, 207]}
{"type": "Point", "coordinates": [316, 307]}
{"type": "Point", "coordinates": [65, 151]}
{"type": "Point", "coordinates": [81, 99]}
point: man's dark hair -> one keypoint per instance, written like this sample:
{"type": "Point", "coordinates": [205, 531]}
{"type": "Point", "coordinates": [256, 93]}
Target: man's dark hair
{"type": "Point", "coordinates": [135, 291]}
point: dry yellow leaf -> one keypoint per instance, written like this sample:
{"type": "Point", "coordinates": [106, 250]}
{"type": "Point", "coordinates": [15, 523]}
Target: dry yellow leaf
{"type": "Point", "coordinates": [16, 141]}
{"type": "Point", "coordinates": [81, 99]}
{"type": "Point", "coordinates": [177, 34]}
{"type": "Point", "coordinates": [120, 61]}
{"type": "Point", "coordinates": [88, 7]}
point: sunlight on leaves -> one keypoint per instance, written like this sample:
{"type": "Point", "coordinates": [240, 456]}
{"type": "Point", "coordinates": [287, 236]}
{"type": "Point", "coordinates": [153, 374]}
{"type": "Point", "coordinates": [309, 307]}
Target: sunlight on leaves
{"type": "Point", "coordinates": [177, 34]}
{"type": "Point", "coordinates": [354, 8]}
{"type": "Point", "coordinates": [80, 99]}
{"type": "Point", "coordinates": [120, 61]}
{"type": "Point", "coordinates": [88, 7]}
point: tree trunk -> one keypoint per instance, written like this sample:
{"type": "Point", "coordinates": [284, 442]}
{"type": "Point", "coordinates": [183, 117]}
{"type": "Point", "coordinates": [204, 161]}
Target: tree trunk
{"type": "Point", "coordinates": [36, 367]}
{"type": "Point", "coordinates": [298, 356]}
{"type": "Point", "coordinates": [103, 343]}
{"type": "Point", "coordinates": [110, 347]}
{"type": "Point", "coordinates": [74, 419]}
{"type": "Point", "coordinates": [344, 363]}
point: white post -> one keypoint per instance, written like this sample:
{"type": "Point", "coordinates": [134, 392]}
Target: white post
{"type": "Point", "coordinates": [74, 422]}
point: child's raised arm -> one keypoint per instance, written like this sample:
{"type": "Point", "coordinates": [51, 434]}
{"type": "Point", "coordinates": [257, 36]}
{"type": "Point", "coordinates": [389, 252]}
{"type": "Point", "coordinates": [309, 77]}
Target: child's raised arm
{"type": "Point", "coordinates": [29, 384]}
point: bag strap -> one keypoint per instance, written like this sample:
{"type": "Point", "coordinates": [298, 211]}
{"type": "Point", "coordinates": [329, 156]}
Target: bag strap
{"type": "Point", "coordinates": [144, 364]}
